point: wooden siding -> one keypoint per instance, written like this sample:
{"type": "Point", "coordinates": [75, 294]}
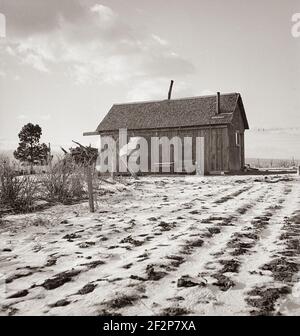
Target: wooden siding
{"type": "Point", "coordinates": [216, 144]}
{"type": "Point", "coordinates": [236, 153]}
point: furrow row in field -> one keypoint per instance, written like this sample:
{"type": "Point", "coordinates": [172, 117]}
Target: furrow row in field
{"type": "Point", "coordinates": [217, 231]}
{"type": "Point", "coordinates": [250, 244]}
{"type": "Point", "coordinates": [167, 252]}
{"type": "Point", "coordinates": [29, 275]}
{"type": "Point", "coordinates": [179, 248]}
{"type": "Point", "coordinates": [276, 288]}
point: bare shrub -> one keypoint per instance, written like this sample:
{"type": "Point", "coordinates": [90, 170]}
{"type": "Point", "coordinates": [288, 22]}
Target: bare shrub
{"type": "Point", "coordinates": [16, 192]}
{"type": "Point", "coordinates": [64, 182]}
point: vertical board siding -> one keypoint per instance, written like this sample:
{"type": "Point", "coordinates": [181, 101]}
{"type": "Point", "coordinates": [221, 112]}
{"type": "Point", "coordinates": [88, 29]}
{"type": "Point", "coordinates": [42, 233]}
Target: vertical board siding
{"type": "Point", "coordinates": [236, 153]}
{"type": "Point", "coordinates": [219, 151]}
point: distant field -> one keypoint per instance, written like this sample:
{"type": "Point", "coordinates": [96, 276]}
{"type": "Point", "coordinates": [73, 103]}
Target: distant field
{"type": "Point", "coordinates": [162, 245]}
{"type": "Point", "coordinates": [272, 163]}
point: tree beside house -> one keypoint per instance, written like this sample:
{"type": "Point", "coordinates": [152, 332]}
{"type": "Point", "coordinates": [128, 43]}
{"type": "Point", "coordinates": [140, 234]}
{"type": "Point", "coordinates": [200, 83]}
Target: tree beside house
{"type": "Point", "coordinates": [30, 150]}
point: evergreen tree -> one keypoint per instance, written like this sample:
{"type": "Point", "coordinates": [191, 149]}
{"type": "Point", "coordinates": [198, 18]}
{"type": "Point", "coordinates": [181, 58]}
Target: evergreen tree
{"type": "Point", "coordinates": [30, 150]}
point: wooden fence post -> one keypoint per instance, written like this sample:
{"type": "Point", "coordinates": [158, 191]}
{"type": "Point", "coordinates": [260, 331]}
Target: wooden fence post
{"type": "Point", "coordinates": [89, 176]}
{"type": "Point", "coordinates": [90, 188]}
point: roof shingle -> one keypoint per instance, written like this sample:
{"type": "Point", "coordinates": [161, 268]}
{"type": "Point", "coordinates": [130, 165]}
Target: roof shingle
{"type": "Point", "coordinates": [195, 111]}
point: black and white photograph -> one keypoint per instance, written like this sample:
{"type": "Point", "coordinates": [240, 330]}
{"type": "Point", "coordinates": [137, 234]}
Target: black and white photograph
{"type": "Point", "coordinates": [149, 159]}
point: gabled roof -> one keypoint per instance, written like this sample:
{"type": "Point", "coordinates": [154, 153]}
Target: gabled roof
{"type": "Point", "coordinates": [186, 112]}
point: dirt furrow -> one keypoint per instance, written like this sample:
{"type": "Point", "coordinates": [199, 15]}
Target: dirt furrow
{"type": "Point", "coordinates": [248, 251]}
{"type": "Point", "coordinates": [208, 248]}
{"type": "Point", "coordinates": [205, 246]}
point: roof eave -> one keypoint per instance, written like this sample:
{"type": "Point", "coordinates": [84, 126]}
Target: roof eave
{"type": "Point", "coordinates": [244, 116]}
{"type": "Point", "coordinates": [158, 128]}
{"type": "Point", "coordinates": [91, 133]}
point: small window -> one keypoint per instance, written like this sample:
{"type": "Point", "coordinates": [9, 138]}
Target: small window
{"type": "Point", "coordinates": [238, 138]}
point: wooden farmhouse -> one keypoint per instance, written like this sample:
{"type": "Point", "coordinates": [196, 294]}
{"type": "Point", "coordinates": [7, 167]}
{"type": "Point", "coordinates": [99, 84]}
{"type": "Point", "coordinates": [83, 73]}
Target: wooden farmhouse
{"type": "Point", "coordinates": [220, 119]}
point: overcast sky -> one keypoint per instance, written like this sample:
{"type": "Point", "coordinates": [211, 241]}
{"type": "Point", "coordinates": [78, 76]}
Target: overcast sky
{"type": "Point", "coordinates": [64, 63]}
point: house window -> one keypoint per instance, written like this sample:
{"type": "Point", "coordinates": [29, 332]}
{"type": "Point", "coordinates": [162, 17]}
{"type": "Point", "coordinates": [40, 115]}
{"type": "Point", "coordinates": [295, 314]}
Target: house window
{"type": "Point", "coordinates": [238, 138]}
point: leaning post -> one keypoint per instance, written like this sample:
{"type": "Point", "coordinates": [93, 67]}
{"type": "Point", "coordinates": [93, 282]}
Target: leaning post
{"type": "Point", "coordinates": [90, 187]}
{"type": "Point", "coordinates": [88, 163]}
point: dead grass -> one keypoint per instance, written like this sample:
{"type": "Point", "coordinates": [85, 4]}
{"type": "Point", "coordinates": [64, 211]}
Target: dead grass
{"type": "Point", "coordinates": [17, 193]}
{"type": "Point", "coordinates": [64, 182]}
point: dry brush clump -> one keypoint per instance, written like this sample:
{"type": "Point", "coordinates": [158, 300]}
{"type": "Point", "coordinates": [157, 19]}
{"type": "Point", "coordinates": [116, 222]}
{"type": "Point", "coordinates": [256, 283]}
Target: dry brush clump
{"type": "Point", "coordinates": [64, 182]}
{"type": "Point", "coordinates": [16, 192]}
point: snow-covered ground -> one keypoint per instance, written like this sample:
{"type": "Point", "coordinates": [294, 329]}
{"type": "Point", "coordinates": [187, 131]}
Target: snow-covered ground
{"type": "Point", "coordinates": [161, 245]}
